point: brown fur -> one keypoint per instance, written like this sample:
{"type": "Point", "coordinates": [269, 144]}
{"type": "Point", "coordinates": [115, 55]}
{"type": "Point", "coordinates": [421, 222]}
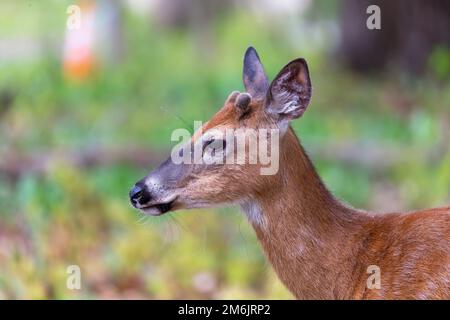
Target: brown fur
{"type": "Point", "coordinates": [321, 248]}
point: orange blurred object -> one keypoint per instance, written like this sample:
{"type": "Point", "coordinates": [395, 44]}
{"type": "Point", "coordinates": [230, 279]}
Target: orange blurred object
{"type": "Point", "coordinates": [79, 50]}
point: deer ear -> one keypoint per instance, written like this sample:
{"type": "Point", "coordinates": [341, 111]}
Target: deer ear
{"type": "Point", "coordinates": [290, 92]}
{"type": "Point", "coordinates": [255, 79]}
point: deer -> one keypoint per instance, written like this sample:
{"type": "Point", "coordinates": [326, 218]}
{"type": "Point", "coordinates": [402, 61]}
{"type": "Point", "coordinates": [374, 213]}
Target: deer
{"type": "Point", "coordinates": [319, 247]}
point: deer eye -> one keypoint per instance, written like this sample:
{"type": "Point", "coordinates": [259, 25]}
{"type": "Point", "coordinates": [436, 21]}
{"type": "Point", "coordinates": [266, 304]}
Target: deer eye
{"type": "Point", "coordinates": [220, 144]}
{"type": "Point", "coordinates": [208, 143]}
{"type": "Point", "coordinates": [216, 145]}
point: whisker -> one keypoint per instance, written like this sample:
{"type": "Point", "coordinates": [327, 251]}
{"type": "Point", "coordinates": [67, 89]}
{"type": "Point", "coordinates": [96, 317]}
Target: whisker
{"type": "Point", "coordinates": [143, 220]}
{"type": "Point", "coordinates": [187, 124]}
{"type": "Point", "coordinates": [178, 223]}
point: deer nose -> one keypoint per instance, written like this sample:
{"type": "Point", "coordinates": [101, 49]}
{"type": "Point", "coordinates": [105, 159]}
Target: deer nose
{"type": "Point", "coordinates": [139, 195]}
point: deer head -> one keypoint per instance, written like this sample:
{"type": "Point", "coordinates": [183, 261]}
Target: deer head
{"type": "Point", "coordinates": [208, 178]}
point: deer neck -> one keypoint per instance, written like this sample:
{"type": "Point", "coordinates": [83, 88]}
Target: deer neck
{"type": "Point", "coordinates": [307, 235]}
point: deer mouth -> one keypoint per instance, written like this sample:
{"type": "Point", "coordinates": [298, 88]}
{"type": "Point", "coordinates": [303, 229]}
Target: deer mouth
{"type": "Point", "coordinates": [158, 209]}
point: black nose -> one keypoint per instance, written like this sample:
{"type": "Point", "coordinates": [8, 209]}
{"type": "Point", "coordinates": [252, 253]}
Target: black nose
{"type": "Point", "coordinates": [139, 195]}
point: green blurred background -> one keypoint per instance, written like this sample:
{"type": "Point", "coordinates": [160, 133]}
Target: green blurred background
{"type": "Point", "coordinates": [76, 134]}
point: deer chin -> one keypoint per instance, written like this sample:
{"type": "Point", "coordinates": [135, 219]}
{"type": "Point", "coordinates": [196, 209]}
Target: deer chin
{"type": "Point", "coordinates": [158, 208]}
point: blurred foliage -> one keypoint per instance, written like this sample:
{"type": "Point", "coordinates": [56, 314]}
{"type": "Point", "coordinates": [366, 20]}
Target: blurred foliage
{"type": "Point", "coordinates": [74, 215]}
{"type": "Point", "coordinates": [440, 62]}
